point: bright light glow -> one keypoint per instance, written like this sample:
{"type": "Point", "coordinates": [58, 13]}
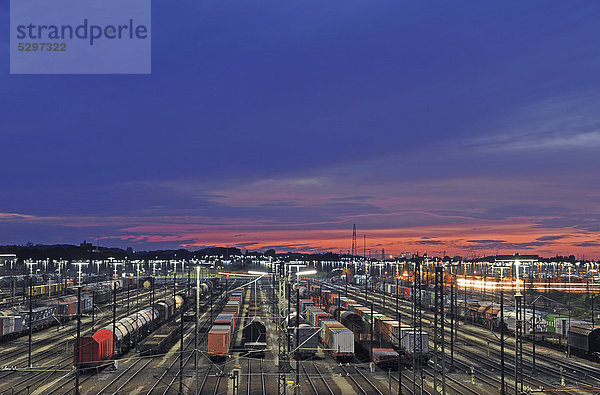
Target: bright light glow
{"type": "Point", "coordinates": [306, 273]}
{"type": "Point", "coordinates": [237, 274]}
{"type": "Point", "coordinates": [258, 273]}
{"type": "Point", "coordinates": [537, 286]}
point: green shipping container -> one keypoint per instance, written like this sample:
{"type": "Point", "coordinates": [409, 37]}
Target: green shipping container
{"type": "Point", "coordinates": [367, 318]}
{"type": "Point", "coordinates": [551, 320]}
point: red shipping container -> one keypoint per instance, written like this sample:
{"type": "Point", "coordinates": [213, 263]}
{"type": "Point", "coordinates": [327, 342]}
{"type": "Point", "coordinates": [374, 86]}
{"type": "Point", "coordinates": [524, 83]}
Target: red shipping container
{"type": "Point", "coordinates": [383, 326]}
{"type": "Point", "coordinates": [218, 341]}
{"type": "Point", "coordinates": [319, 316]}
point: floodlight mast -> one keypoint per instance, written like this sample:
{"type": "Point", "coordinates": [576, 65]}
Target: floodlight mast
{"type": "Point", "coordinates": [30, 264]}
{"type": "Point", "coordinates": [79, 264]}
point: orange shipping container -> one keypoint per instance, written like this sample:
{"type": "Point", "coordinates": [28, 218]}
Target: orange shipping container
{"type": "Point", "coordinates": [327, 329]}
{"type": "Point", "coordinates": [218, 340]}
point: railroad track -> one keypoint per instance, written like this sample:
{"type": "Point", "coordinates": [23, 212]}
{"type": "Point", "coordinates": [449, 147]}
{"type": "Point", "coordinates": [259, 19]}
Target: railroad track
{"type": "Point", "coordinates": [58, 363]}
{"type": "Point", "coordinates": [211, 384]}
{"type": "Point", "coordinates": [319, 385]}
{"type": "Point", "coordinates": [18, 356]}
{"type": "Point", "coordinates": [457, 386]}
{"type": "Point", "coordinates": [117, 384]}
{"type": "Point", "coordinates": [360, 381]}
{"type": "Point", "coordinates": [254, 386]}
{"type": "Point", "coordinates": [25, 382]}
{"type": "Point", "coordinates": [528, 380]}
{"type": "Point", "coordinates": [121, 297]}
{"type": "Point", "coordinates": [405, 386]}
{"type": "Point", "coordinates": [550, 365]}
{"type": "Point", "coordinates": [203, 329]}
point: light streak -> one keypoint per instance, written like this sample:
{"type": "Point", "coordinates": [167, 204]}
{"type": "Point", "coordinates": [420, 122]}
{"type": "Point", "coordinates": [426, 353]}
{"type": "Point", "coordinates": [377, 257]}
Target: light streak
{"type": "Point", "coordinates": [537, 286]}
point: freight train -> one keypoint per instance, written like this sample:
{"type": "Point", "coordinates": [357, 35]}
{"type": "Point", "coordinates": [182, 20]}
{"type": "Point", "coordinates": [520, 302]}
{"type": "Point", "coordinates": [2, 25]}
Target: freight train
{"type": "Point", "coordinates": [315, 324]}
{"type": "Point", "coordinates": [254, 336]}
{"type": "Point", "coordinates": [254, 333]}
{"type": "Point", "coordinates": [222, 332]}
{"type": "Point", "coordinates": [391, 341]}
{"type": "Point", "coordinates": [105, 343]}
{"type": "Point", "coordinates": [14, 322]}
{"type": "Point", "coordinates": [582, 336]}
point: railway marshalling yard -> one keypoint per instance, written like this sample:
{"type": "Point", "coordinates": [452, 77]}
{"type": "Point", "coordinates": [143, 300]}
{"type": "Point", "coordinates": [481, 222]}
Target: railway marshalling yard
{"type": "Point", "coordinates": [475, 357]}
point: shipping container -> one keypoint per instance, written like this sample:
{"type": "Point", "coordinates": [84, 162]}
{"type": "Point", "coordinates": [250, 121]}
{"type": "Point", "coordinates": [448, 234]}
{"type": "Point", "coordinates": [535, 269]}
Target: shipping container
{"type": "Point", "coordinates": [305, 304]}
{"type": "Point", "coordinates": [341, 342]}
{"type": "Point", "coordinates": [323, 328]}
{"type": "Point", "coordinates": [218, 341]}
{"type": "Point", "coordinates": [410, 343]}
{"type": "Point", "coordinates": [551, 322]}
{"type": "Point", "coordinates": [385, 358]}
{"type": "Point", "coordinates": [307, 340]}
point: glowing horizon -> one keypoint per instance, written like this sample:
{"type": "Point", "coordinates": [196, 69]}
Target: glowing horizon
{"type": "Point", "coordinates": [281, 127]}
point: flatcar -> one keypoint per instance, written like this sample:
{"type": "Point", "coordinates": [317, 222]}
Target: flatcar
{"type": "Point", "coordinates": [160, 340]}
{"type": "Point", "coordinates": [338, 339]}
{"type": "Point", "coordinates": [221, 334]}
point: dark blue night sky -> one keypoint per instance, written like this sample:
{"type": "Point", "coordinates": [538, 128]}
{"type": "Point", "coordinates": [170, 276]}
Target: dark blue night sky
{"type": "Point", "coordinates": [466, 127]}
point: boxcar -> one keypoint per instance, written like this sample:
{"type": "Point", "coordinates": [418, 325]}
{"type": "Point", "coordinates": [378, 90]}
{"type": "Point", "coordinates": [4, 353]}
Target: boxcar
{"type": "Point", "coordinates": [95, 349]}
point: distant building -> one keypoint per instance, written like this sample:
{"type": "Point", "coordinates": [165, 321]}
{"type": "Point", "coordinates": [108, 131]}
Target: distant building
{"type": "Point", "coordinates": [88, 247]}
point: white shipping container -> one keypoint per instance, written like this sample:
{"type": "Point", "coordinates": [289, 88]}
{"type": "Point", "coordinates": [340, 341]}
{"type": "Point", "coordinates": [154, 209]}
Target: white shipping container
{"type": "Point", "coordinates": [8, 325]}
{"type": "Point", "coordinates": [561, 325]}
{"type": "Point", "coordinates": [410, 342]}
{"type": "Point", "coordinates": [404, 330]}
{"type": "Point", "coordinates": [341, 340]}
{"type": "Point", "coordinates": [395, 334]}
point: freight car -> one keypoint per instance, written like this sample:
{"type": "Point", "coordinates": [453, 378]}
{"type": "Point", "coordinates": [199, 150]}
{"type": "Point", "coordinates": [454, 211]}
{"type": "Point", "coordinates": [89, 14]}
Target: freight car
{"type": "Point", "coordinates": [48, 289]}
{"type": "Point", "coordinates": [254, 336]}
{"type": "Point", "coordinates": [547, 326]}
{"type": "Point", "coordinates": [338, 339]}
{"type": "Point", "coordinates": [95, 350]}
{"type": "Point", "coordinates": [308, 341]}
{"type": "Point", "coordinates": [390, 340]}
{"type": "Point", "coordinates": [585, 340]}
{"type": "Point", "coordinates": [221, 334]}
{"type": "Point", "coordinates": [12, 326]}
{"type": "Point", "coordinates": [104, 344]}
{"type": "Point", "coordinates": [383, 355]}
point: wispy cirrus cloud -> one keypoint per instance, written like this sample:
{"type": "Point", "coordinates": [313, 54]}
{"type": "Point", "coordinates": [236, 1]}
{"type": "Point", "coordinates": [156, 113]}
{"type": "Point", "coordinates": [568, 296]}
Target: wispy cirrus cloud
{"type": "Point", "coordinates": [588, 244]}
{"type": "Point", "coordinates": [561, 122]}
{"type": "Point", "coordinates": [545, 141]}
